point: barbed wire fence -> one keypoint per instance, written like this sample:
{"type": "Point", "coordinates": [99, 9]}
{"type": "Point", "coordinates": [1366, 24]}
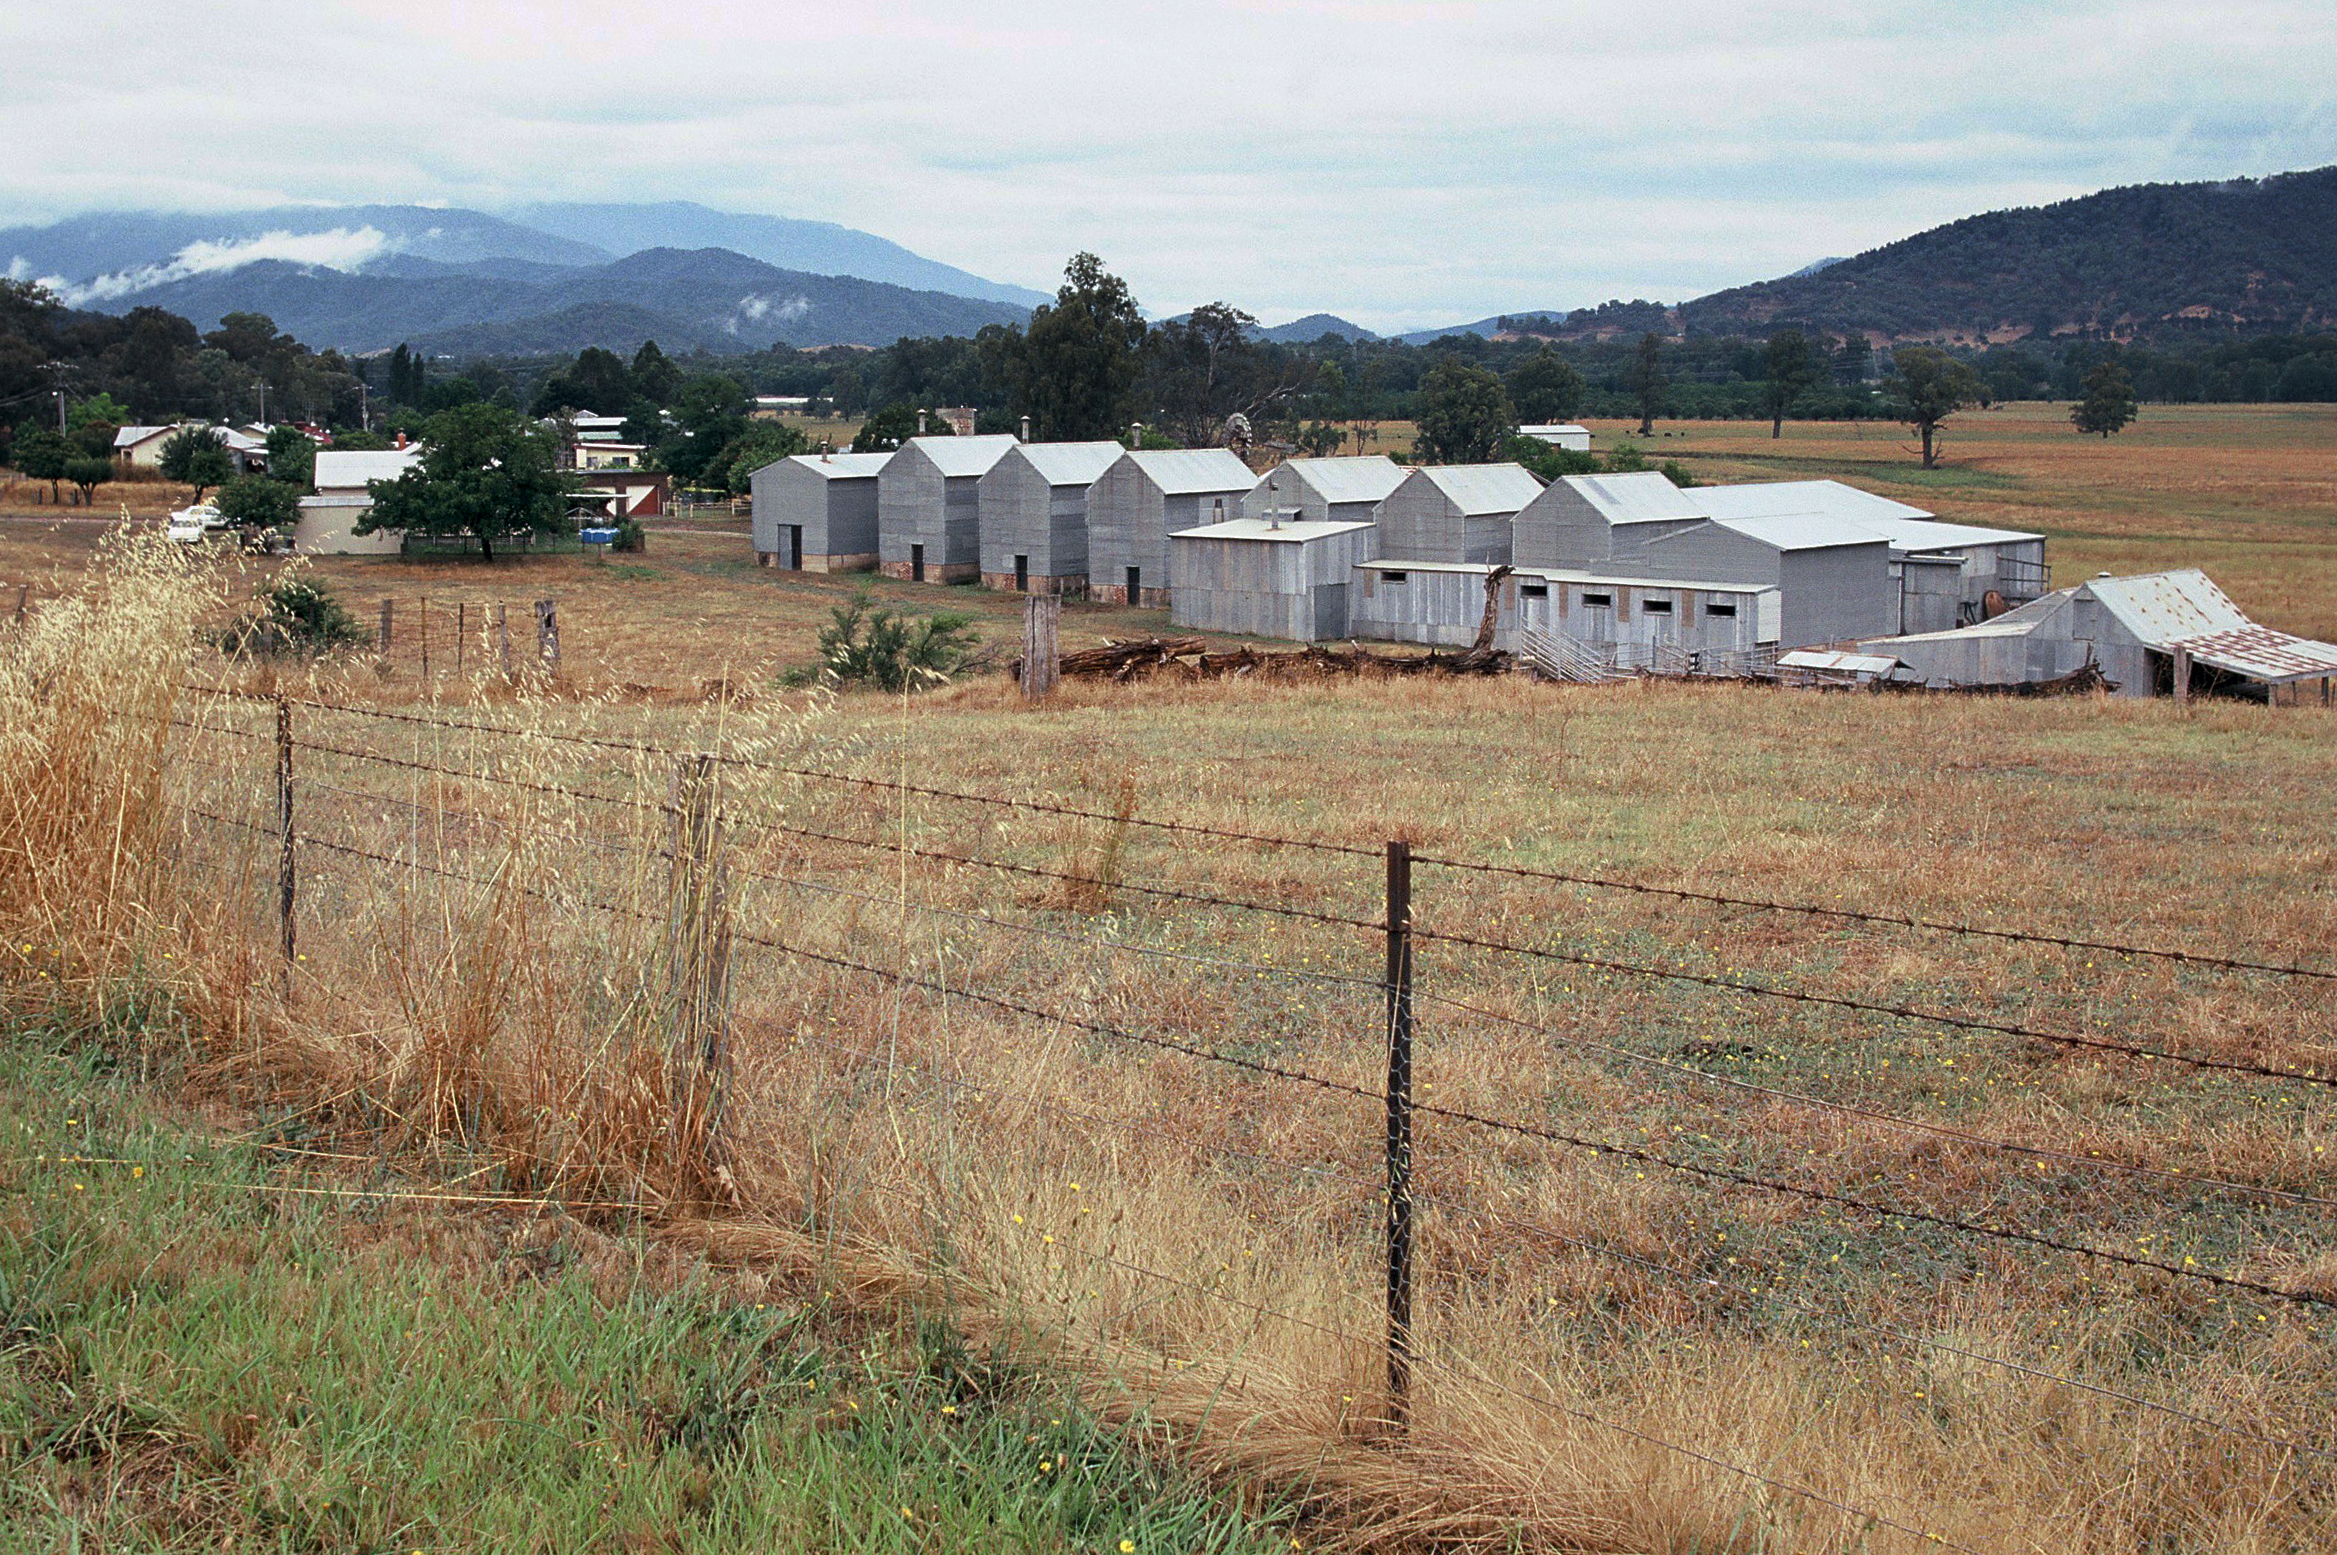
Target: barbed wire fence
{"type": "Point", "coordinates": [689, 861]}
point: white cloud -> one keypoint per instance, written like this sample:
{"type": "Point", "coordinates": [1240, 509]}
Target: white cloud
{"type": "Point", "coordinates": [758, 309]}
{"type": "Point", "coordinates": [342, 248]}
{"type": "Point", "coordinates": [1402, 163]}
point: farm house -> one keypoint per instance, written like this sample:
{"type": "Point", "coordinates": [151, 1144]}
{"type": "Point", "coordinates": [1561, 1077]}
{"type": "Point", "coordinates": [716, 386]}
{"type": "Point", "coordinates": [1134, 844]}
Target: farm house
{"type": "Point", "coordinates": [1456, 512]}
{"type": "Point", "coordinates": [1442, 603]}
{"type": "Point", "coordinates": [928, 523]}
{"type": "Point", "coordinates": [1326, 490]}
{"type": "Point", "coordinates": [1582, 520]}
{"type": "Point", "coordinates": [817, 512]}
{"type": "Point", "coordinates": [1950, 574]}
{"type": "Point", "coordinates": [1834, 578]}
{"type": "Point", "coordinates": [342, 501]}
{"type": "Point", "coordinates": [1140, 501]}
{"type": "Point", "coordinates": [1261, 577]}
{"type": "Point", "coordinates": [1034, 515]}
{"type": "Point", "coordinates": [2140, 632]}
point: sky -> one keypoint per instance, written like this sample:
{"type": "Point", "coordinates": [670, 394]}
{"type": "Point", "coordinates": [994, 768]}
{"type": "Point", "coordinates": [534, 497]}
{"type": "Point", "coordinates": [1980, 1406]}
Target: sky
{"type": "Point", "coordinates": [1402, 165]}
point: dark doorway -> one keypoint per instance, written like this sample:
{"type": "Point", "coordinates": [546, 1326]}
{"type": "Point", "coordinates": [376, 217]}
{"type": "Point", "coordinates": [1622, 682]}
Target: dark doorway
{"type": "Point", "coordinates": [916, 564]}
{"type": "Point", "coordinates": [1022, 575]}
{"type": "Point", "coordinates": [795, 547]}
{"type": "Point", "coordinates": [1135, 585]}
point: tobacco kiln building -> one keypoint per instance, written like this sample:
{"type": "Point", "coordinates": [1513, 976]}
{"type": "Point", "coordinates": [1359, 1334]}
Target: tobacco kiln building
{"type": "Point", "coordinates": [1456, 512]}
{"type": "Point", "coordinates": [1326, 490]}
{"type": "Point", "coordinates": [817, 512]}
{"type": "Point", "coordinates": [1582, 520]}
{"type": "Point", "coordinates": [1143, 498]}
{"type": "Point", "coordinates": [1034, 515]}
{"type": "Point", "coordinates": [928, 507]}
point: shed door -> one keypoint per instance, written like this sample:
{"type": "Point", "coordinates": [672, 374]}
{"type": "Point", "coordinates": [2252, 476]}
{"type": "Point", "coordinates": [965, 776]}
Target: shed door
{"type": "Point", "coordinates": [1597, 617]}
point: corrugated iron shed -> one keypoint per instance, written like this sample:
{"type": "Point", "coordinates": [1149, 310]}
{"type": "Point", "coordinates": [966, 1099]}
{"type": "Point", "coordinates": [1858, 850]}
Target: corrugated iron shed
{"type": "Point", "coordinates": [1759, 499]}
{"type": "Point", "coordinates": [2164, 608]}
{"type": "Point", "coordinates": [1642, 496]}
{"type": "Point", "coordinates": [1483, 488]}
{"type": "Point", "coordinates": [1185, 472]}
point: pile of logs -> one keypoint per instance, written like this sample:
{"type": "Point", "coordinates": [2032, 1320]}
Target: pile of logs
{"type": "Point", "coordinates": [1191, 658]}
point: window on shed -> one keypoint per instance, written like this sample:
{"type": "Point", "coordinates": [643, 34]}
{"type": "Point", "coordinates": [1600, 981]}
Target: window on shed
{"type": "Point", "coordinates": [1728, 611]}
{"type": "Point", "coordinates": [1598, 601]}
{"type": "Point", "coordinates": [1394, 577]}
{"type": "Point", "coordinates": [1534, 590]}
{"type": "Point", "coordinates": [1655, 607]}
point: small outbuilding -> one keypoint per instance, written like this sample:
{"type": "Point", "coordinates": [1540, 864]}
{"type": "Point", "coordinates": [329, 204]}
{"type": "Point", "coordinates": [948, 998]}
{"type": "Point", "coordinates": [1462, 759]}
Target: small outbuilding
{"type": "Point", "coordinates": [928, 507]}
{"type": "Point", "coordinates": [1637, 622]}
{"type": "Point", "coordinates": [1456, 513]}
{"type": "Point", "coordinates": [2141, 633]}
{"type": "Point", "coordinates": [1562, 434]}
{"type": "Point", "coordinates": [1326, 490]}
{"type": "Point", "coordinates": [343, 498]}
{"type": "Point", "coordinates": [1259, 577]}
{"type": "Point", "coordinates": [817, 512]}
{"type": "Point", "coordinates": [1146, 496]}
{"type": "Point", "coordinates": [1582, 520]}
{"type": "Point", "coordinates": [1034, 515]}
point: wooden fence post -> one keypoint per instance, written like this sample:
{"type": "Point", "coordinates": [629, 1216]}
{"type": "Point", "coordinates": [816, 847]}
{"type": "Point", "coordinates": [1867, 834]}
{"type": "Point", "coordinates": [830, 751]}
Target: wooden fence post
{"type": "Point", "coordinates": [23, 601]}
{"type": "Point", "coordinates": [422, 619]}
{"type": "Point", "coordinates": [503, 634]}
{"type": "Point", "coordinates": [698, 964]}
{"type": "Point", "coordinates": [385, 626]}
{"type": "Point", "coordinates": [287, 859]}
{"type": "Point", "coordinates": [1399, 1137]}
{"type": "Point", "coordinates": [548, 632]}
{"type": "Point", "coordinates": [462, 628]}
{"type": "Point", "coordinates": [2182, 676]}
{"type": "Point", "coordinates": [1042, 617]}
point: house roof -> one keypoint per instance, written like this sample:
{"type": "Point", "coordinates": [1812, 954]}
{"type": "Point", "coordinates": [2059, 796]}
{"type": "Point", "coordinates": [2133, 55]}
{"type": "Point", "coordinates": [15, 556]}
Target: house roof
{"type": "Point", "coordinates": [1803, 531]}
{"type": "Point", "coordinates": [1071, 464]}
{"type": "Point", "coordinates": [1185, 472]}
{"type": "Point", "coordinates": [1481, 488]}
{"type": "Point", "coordinates": [956, 456]}
{"type": "Point", "coordinates": [1554, 429]}
{"type": "Point", "coordinates": [131, 437]}
{"type": "Point", "coordinates": [835, 467]}
{"type": "Point", "coordinates": [1289, 532]}
{"type": "Point", "coordinates": [1643, 496]}
{"type": "Point", "coordinates": [1366, 479]}
{"type": "Point", "coordinates": [348, 469]}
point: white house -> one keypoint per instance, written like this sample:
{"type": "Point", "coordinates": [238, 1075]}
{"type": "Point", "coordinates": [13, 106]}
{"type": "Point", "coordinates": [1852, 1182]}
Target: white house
{"type": "Point", "coordinates": [342, 501]}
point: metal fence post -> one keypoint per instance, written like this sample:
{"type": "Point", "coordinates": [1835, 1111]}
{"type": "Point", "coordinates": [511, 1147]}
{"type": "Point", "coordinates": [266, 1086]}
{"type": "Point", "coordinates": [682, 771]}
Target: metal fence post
{"type": "Point", "coordinates": [422, 618]}
{"type": "Point", "coordinates": [462, 630]}
{"type": "Point", "coordinates": [1042, 618]}
{"type": "Point", "coordinates": [698, 959]}
{"type": "Point", "coordinates": [1399, 1142]}
{"type": "Point", "coordinates": [287, 877]}
{"type": "Point", "coordinates": [385, 626]}
{"type": "Point", "coordinates": [548, 632]}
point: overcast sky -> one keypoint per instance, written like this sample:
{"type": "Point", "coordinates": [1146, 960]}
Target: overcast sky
{"type": "Point", "coordinates": [1401, 164]}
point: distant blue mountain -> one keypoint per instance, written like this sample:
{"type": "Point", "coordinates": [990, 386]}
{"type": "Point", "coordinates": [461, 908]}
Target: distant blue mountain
{"type": "Point", "coordinates": [1313, 327]}
{"type": "Point", "coordinates": [819, 247]}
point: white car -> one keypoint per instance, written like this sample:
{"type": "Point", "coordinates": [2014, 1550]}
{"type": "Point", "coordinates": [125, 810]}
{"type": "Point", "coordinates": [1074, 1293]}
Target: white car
{"type": "Point", "coordinates": [192, 526]}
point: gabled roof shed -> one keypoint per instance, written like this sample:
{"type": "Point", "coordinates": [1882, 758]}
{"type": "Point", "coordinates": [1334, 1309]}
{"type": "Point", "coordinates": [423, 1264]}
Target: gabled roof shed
{"type": "Point", "coordinates": [1034, 515]}
{"type": "Point", "coordinates": [928, 512]}
{"type": "Point", "coordinates": [1456, 512]}
{"type": "Point", "coordinates": [1326, 490]}
{"type": "Point", "coordinates": [1137, 503]}
{"type": "Point", "coordinates": [817, 512]}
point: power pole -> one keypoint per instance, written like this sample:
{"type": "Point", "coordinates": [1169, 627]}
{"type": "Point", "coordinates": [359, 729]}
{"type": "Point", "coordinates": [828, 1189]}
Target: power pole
{"type": "Point", "coordinates": [60, 393]}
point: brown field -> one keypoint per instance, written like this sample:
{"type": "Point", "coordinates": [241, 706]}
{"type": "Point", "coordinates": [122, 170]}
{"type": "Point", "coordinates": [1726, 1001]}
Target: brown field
{"type": "Point", "coordinates": [1616, 1354]}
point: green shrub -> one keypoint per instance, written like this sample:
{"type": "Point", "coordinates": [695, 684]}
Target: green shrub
{"type": "Point", "coordinates": [298, 617]}
{"type": "Point", "coordinates": [867, 644]}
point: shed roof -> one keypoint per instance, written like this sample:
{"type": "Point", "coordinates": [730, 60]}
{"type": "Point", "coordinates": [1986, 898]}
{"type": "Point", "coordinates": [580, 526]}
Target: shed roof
{"type": "Point", "coordinates": [1184, 472]}
{"type": "Point", "coordinates": [1553, 429]}
{"type": "Point", "coordinates": [1291, 532]}
{"type": "Point", "coordinates": [2260, 653]}
{"type": "Point", "coordinates": [1923, 534]}
{"type": "Point", "coordinates": [2163, 608]}
{"type": "Point", "coordinates": [1570, 575]}
{"type": "Point", "coordinates": [1759, 499]}
{"type": "Point", "coordinates": [1368, 478]}
{"type": "Point", "coordinates": [835, 467]}
{"type": "Point", "coordinates": [350, 468]}
{"type": "Point", "coordinates": [1846, 663]}
{"type": "Point", "coordinates": [955, 456]}
{"type": "Point", "coordinates": [1482, 488]}
{"type": "Point", "coordinates": [1071, 464]}
{"type": "Point", "coordinates": [1803, 531]}
{"type": "Point", "coordinates": [1642, 496]}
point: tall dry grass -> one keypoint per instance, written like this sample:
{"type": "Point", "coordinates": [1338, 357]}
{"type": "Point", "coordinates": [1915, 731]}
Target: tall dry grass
{"type": "Point", "coordinates": [1612, 1358]}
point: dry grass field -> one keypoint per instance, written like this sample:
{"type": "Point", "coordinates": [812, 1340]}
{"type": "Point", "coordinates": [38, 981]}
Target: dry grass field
{"type": "Point", "coordinates": [1733, 1272]}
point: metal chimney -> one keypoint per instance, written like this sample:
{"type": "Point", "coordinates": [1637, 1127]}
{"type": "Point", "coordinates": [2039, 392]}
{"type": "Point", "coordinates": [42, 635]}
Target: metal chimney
{"type": "Point", "coordinates": [1135, 434]}
{"type": "Point", "coordinates": [1273, 502]}
{"type": "Point", "coordinates": [1026, 429]}
{"type": "Point", "coordinates": [920, 423]}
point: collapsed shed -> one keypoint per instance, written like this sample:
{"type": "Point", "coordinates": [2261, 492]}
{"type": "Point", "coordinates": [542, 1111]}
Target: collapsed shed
{"type": "Point", "coordinates": [1034, 515]}
{"type": "Point", "coordinates": [1261, 577]}
{"type": "Point", "coordinates": [1325, 490]}
{"type": "Point", "coordinates": [928, 507]}
{"type": "Point", "coordinates": [817, 512]}
{"type": "Point", "coordinates": [1456, 513]}
{"type": "Point", "coordinates": [2146, 634]}
{"type": "Point", "coordinates": [1141, 500]}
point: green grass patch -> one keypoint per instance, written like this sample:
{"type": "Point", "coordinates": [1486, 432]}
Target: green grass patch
{"type": "Point", "coordinates": [195, 1356]}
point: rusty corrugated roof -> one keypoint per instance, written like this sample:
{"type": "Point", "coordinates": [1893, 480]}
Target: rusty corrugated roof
{"type": "Point", "coordinates": [2260, 653]}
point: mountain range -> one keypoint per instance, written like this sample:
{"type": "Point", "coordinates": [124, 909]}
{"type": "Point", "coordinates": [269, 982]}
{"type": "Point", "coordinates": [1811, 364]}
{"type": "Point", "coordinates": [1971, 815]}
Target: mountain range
{"type": "Point", "coordinates": [2141, 261]}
